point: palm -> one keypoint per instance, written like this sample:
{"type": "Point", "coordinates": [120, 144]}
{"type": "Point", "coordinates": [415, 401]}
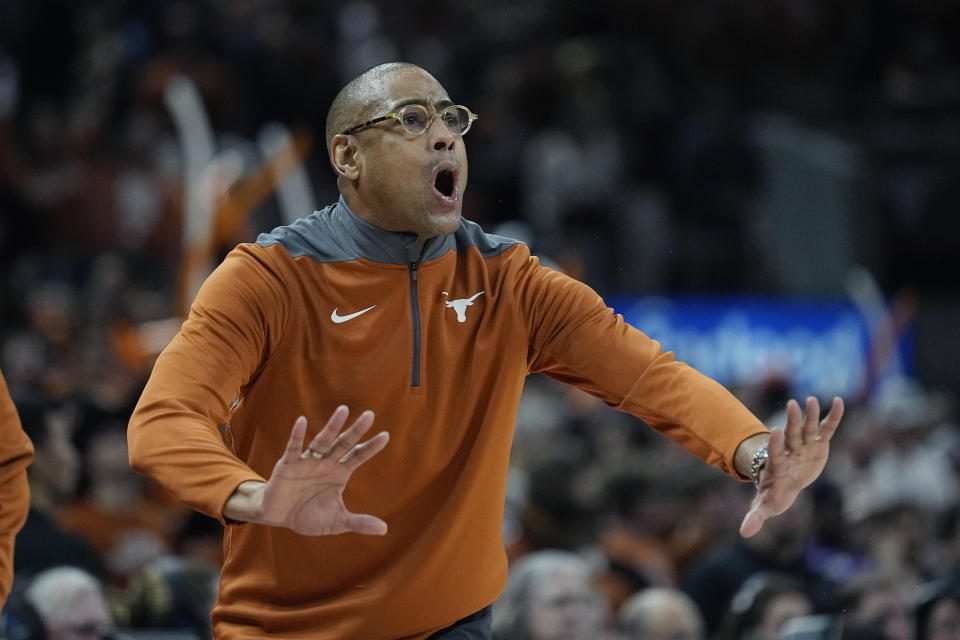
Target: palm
{"type": "Point", "coordinates": [797, 457]}
{"type": "Point", "coordinates": [305, 491]}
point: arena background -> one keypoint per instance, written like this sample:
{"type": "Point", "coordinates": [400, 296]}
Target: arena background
{"type": "Point", "coordinates": [769, 158]}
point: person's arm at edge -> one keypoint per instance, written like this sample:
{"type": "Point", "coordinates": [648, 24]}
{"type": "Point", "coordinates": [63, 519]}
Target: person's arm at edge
{"type": "Point", "coordinates": [16, 454]}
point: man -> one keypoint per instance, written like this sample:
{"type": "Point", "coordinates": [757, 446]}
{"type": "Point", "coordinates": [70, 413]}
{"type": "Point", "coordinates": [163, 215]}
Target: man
{"type": "Point", "coordinates": [549, 596]}
{"type": "Point", "coordinates": [388, 301]}
{"type": "Point", "coordinates": [16, 453]}
{"type": "Point", "coordinates": [61, 603]}
{"type": "Point", "coordinates": [661, 613]}
{"type": "Point", "coordinates": [42, 543]}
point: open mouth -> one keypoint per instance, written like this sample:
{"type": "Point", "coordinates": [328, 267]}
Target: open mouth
{"type": "Point", "coordinates": [445, 182]}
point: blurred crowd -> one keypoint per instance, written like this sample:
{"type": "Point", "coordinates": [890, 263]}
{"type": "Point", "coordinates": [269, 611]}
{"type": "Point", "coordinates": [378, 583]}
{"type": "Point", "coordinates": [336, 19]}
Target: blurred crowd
{"type": "Point", "coordinates": [617, 138]}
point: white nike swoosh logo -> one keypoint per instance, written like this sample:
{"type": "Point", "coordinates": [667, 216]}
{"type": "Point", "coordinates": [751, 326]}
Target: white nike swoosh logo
{"type": "Point", "coordinates": [338, 318]}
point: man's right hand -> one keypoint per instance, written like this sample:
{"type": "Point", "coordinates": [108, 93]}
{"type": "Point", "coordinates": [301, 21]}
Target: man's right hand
{"type": "Point", "coordinates": [305, 491]}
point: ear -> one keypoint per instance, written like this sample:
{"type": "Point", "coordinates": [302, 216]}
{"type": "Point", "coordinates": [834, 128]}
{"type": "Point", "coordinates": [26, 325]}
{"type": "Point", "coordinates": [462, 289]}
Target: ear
{"type": "Point", "coordinates": [345, 156]}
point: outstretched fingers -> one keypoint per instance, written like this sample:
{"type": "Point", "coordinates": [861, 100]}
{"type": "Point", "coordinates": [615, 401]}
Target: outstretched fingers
{"type": "Point", "coordinates": [342, 446]}
{"type": "Point", "coordinates": [811, 420]}
{"type": "Point", "coordinates": [776, 450]}
{"type": "Point", "coordinates": [295, 443]}
{"type": "Point", "coordinates": [793, 431]}
{"type": "Point", "coordinates": [351, 436]}
{"type": "Point", "coordinates": [323, 441]}
{"type": "Point", "coordinates": [363, 452]}
{"type": "Point", "coordinates": [829, 425]}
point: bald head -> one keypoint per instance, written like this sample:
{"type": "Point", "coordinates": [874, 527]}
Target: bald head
{"type": "Point", "coordinates": [355, 101]}
{"type": "Point", "coordinates": [386, 174]}
{"type": "Point", "coordinates": [661, 613]}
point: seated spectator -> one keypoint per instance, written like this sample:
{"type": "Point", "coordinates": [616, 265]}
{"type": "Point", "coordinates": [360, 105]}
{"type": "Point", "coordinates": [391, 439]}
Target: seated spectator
{"type": "Point", "coordinates": [62, 603]}
{"type": "Point", "coordinates": [128, 530]}
{"type": "Point", "coordinates": [762, 605]}
{"type": "Point", "coordinates": [172, 594]}
{"type": "Point", "coordinates": [42, 543]}
{"type": "Point", "coordinates": [779, 547]}
{"type": "Point", "coordinates": [661, 614]}
{"type": "Point", "coordinates": [938, 610]}
{"type": "Point", "coordinates": [548, 596]}
{"type": "Point", "coordinates": [881, 602]}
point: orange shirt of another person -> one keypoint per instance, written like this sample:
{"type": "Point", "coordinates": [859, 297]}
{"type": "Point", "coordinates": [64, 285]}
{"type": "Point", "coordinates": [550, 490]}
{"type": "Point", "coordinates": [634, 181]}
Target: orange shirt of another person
{"type": "Point", "coordinates": [16, 453]}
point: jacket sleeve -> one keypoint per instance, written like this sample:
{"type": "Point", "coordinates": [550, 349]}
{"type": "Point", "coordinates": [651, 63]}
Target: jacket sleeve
{"type": "Point", "coordinates": [577, 339]}
{"type": "Point", "coordinates": [16, 453]}
{"type": "Point", "coordinates": [233, 325]}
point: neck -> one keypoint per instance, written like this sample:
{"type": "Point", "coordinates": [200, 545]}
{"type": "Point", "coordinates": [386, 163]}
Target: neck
{"type": "Point", "coordinates": [375, 218]}
{"type": "Point", "coordinates": [374, 215]}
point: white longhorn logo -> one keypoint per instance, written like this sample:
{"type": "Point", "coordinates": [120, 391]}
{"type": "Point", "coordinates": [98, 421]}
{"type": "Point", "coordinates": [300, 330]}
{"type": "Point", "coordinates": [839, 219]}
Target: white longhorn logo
{"type": "Point", "coordinates": [460, 306]}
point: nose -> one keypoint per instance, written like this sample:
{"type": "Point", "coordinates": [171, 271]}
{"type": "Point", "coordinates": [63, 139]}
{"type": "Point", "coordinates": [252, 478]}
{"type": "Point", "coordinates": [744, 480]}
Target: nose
{"type": "Point", "coordinates": [441, 138]}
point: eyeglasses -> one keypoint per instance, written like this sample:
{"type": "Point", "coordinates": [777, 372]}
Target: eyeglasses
{"type": "Point", "coordinates": [416, 119]}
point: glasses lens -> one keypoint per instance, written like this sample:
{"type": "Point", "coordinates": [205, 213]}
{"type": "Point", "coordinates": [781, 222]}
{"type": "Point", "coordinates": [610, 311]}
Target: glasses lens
{"type": "Point", "coordinates": [456, 118]}
{"type": "Point", "coordinates": [414, 118]}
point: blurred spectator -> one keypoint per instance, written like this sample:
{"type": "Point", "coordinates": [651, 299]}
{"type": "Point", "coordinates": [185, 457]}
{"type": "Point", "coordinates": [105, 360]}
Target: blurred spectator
{"type": "Point", "coordinates": [172, 594]}
{"type": "Point", "coordinates": [62, 603]}
{"type": "Point", "coordinates": [911, 461]}
{"type": "Point", "coordinates": [44, 354]}
{"type": "Point", "coordinates": [834, 552]}
{"type": "Point", "coordinates": [127, 530]}
{"type": "Point", "coordinates": [645, 512]}
{"type": "Point", "coordinates": [938, 610]}
{"type": "Point", "coordinates": [880, 602]}
{"type": "Point", "coordinates": [943, 550]}
{"type": "Point", "coordinates": [661, 613]}
{"type": "Point", "coordinates": [200, 539]}
{"type": "Point", "coordinates": [897, 542]}
{"type": "Point", "coordinates": [779, 547]}
{"type": "Point", "coordinates": [42, 543]}
{"type": "Point", "coordinates": [762, 605]}
{"type": "Point", "coordinates": [710, 518]}
{"type": "Point", "coordinates": [554, 513]}
{"type": "Point", "coordinates": [548, 596]}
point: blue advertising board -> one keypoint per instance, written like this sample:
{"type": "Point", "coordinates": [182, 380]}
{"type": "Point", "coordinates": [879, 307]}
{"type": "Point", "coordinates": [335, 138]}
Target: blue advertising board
{"type": "Point", "coordinates": [821, 346]}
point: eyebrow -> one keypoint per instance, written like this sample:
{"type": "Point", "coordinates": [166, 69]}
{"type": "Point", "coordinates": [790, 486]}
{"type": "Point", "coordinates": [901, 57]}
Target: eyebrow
{"type": "Point", "coordinates": [439, 104]}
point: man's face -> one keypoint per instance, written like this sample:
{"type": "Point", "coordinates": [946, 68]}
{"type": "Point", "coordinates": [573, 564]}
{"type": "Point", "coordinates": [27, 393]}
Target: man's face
{"type": "Point", "coordinates": [412, 183]}
{"type": "Point", "coordinates": [86, 618]}
{"type": "Point", "coordinates": [564, 607]}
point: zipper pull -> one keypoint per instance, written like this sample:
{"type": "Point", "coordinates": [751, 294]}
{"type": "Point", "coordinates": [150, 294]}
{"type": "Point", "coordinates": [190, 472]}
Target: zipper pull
{"type": "Point", "coordinates": [413, 269]}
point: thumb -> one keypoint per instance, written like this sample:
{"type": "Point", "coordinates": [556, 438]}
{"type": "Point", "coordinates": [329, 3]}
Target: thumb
{"type": "Point", "coordinates": [753, 521]}
{"type": "Point", "coordinates": [365, 524]}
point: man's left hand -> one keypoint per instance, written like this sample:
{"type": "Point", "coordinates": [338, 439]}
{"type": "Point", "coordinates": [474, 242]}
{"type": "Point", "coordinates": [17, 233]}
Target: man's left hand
{"type": "Point", "coordinates": [797, 456]}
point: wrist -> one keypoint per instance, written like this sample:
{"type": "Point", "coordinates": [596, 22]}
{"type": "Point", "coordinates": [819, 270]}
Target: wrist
{"type": "Point", "coordinates": [747, 451]}
{"type": "Point", "coordinates": [757, 465]}
{"type": "Point", "coordinates": [245, 503]}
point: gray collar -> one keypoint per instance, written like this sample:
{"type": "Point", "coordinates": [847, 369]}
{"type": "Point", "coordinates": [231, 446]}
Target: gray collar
{"type": "Point", "coordinates": [380, 245]}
